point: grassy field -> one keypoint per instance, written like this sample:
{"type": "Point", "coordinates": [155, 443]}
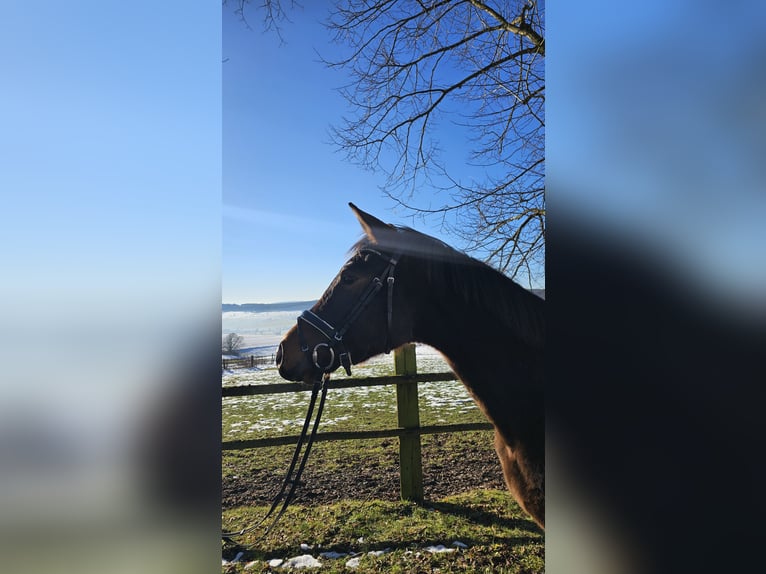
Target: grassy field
{"type": "Point", "coordinates": [480, 531]}
{"type": "Point", "coordinates": [350, 503]}
{"type": "Point", "coordinates": [346, 409]}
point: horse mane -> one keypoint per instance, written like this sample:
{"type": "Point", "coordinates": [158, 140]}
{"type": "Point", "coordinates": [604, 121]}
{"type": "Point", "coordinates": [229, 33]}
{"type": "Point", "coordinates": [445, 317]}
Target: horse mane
{"type": "Point", "coordinates": [485, 289]}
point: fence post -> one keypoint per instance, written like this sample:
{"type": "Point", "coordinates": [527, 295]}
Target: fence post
{"type": "Point", "coordinates": [411, 469]}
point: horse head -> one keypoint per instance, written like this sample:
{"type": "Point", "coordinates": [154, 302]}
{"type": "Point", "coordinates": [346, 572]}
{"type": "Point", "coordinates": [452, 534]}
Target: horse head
{"type": "Point", "coordinates": [354, 319]}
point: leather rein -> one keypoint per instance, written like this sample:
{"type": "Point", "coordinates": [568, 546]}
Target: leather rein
{"type": "Point", "coordinates": [335, 346]}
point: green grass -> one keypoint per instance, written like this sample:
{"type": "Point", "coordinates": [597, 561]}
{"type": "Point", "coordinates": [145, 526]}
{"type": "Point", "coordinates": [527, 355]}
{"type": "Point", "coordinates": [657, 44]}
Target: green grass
{"type": "Point", "coordinates": [499, 536]}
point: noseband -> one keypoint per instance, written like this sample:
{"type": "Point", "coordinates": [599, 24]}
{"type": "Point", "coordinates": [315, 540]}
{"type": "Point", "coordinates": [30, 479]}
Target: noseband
{"type": "Point", "coordinates": [335, 345]}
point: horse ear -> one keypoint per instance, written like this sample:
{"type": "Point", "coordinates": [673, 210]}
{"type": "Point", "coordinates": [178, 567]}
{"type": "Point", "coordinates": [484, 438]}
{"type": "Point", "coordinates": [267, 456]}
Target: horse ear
{"type": "Point", "coordinates": [373, 227]}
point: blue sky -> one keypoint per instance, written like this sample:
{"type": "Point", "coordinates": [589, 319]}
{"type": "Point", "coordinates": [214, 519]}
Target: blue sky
{"type": "Point", "coordinates": [286, 224]}
{"type": "Point", "coordinates": [642, 140]}
{"type": "Point", "coordinates": [110, 218]}
{"type": "Point", "coordinates": [109, 152]}
{"type": "Point", "coordinates": [660, 138]}
{"type": "Point", "coordinates": [113, 151]}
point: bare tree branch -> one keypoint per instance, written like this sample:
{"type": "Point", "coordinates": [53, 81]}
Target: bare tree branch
{"type": "Point", "coordinates": [273, 13]}
{"type": "Point", "coordinates": [422, 70]}
{"type": "Point", "coordinates": [418, 66]}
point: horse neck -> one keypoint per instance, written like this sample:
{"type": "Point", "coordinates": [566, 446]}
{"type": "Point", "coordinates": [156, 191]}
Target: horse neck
{"type": "Point", "coordinates": [499, 361]}
{"type": "Point", "coordinates": [464, 327]}
{"type": "Point", "coordinates": [473, 339]}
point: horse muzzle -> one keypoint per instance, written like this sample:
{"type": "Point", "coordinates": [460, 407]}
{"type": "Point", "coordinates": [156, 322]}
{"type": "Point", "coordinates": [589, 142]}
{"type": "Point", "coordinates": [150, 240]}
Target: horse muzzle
{"type": "Point", "coordinates": [292, 365]}
{"type": "Point", "coordinates": [300, 364]}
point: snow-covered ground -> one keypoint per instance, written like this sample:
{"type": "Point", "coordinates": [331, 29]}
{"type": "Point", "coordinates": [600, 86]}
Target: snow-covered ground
{"type": "Point", "coordinates": [258, 330]}
{"type": "Point", "coordinates": [271, 415]}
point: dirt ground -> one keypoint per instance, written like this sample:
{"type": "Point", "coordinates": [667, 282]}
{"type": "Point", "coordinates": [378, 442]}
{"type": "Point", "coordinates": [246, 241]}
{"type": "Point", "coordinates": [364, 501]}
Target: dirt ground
{"type": "Point", "coordinates": [449, 467]}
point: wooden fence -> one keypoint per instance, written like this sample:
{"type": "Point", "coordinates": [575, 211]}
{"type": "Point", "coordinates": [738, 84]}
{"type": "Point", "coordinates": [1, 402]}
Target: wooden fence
{"type": "Point", "coordinates": [408, 417]}
{"type": "Point", "coordinates": [246, 362]}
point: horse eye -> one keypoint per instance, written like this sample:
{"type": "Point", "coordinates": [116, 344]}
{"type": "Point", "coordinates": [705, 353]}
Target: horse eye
{"type": "Point", "coordinates": [347, 279]}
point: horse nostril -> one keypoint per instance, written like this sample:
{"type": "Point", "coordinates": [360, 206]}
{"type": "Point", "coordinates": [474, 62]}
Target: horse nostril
{"type": "Point", "coordinates": [279, 355]}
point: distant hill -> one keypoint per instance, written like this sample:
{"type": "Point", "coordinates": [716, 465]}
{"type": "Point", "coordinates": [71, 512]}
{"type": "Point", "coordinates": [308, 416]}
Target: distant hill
{"type": "Point", "coordinates": [264, 307]}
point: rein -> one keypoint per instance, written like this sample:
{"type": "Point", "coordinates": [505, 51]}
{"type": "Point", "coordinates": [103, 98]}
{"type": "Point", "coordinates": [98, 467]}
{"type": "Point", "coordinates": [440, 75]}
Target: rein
{"type": "Point", "coordinates": [334, 345]}
{"type": "Point", "coordinates": [320, 385]}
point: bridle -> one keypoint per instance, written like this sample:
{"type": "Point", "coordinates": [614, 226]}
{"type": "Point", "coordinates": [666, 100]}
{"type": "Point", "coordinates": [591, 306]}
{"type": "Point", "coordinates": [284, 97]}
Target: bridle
{"type": "Point", "coordinates": [335, 345]}
{"type": "Point", "coordinates": [334, 336]}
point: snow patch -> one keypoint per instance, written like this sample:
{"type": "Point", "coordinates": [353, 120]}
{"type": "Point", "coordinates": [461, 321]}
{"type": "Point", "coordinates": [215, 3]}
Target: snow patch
{"type": "Point", "coordinates": [304, 561]}
{"type": "Point", "coordinates": [379, 552]}
{"type": "Point", "coordinates": [438, 549]}
{"type": "Point", "coordinates": [354, 562]}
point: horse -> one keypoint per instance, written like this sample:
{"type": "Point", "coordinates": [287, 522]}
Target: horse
{"type": "Point", "coordinates": [402, 286]}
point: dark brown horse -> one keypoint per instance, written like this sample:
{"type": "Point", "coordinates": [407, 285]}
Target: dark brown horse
{"type": "Point", "coordinates": [402, 286]}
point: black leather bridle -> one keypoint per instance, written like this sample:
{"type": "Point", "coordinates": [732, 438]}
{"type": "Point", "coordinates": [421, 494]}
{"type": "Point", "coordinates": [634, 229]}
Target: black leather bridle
{"type": "Point", "coordinates": [335, 345]}
{"type": "Point", "coordinates": [334, 336]}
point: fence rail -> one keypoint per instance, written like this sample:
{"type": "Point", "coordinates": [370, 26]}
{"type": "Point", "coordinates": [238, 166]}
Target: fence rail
{"type": "Point", "coordinates": [354, 435]}
{"type": "Point", "coordinates": [408, 432]}
{"type": "Point", "coordinates": [276, 388]}
{"type": "Point", "coordinates": [246, 362]}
